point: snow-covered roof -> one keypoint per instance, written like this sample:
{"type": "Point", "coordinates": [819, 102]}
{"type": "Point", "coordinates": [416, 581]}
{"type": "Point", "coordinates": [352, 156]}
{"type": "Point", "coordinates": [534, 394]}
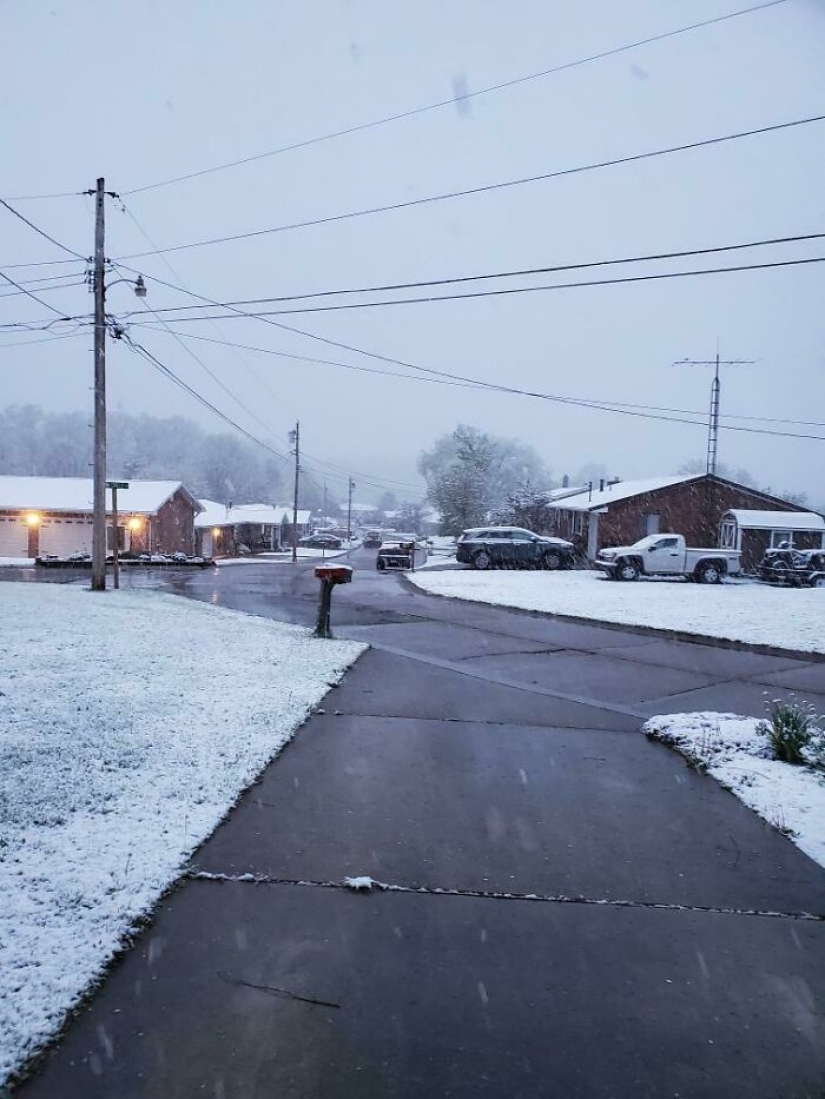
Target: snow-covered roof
{"type": "Point", "coordinates": [219, 515]}
{"type": "Point", "coordinates": [584, 500]}
{"type": "Point", "coordinates": [76, 494]}
{"type": "Point", "coordinates": [777, 520]}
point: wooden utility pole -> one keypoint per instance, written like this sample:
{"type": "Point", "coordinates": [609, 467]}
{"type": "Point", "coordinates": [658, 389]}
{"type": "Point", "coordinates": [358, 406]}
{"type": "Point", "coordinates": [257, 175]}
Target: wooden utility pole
{"type": "Point", "coordinates": [295, 438]}
{"type": "Point", "coordinates": [350, 487]}
{"type": "Point", "coordinates": [99, 456]}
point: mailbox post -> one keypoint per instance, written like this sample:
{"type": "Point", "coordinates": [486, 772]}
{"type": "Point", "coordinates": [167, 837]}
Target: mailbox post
{"type": "Point", "coordinates": [329, 575]}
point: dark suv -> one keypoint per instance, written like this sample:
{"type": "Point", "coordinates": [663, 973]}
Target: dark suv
{"type": "Point", "coordinates": [512, 548]}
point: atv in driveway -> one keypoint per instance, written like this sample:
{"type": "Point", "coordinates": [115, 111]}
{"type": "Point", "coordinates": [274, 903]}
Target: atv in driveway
{"type": "Point", "coordinates": [794, 568]}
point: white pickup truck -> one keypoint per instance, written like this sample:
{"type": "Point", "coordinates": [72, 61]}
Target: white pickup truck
{"type": "Point", "coordinates": [667, 555]}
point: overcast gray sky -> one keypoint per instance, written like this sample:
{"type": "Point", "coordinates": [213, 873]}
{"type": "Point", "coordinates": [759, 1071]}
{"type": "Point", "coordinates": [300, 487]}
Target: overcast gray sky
{"type": "Point", "coordinates": [140, 92]}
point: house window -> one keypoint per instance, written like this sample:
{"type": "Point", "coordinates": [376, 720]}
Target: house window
{"type": "Point", "coordinates": [780, 536]}
{"type": "Point", "coordinates": [727, 534]}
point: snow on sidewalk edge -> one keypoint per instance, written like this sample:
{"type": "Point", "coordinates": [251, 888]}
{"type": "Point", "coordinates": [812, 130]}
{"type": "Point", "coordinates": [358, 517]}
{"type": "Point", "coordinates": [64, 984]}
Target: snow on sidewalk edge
{"type": "Point", "coordinates": [735, 751]}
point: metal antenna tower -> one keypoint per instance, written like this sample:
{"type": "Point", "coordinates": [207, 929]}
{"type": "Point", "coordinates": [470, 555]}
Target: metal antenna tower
{"type": "Point", "coordinates": [715, 391]}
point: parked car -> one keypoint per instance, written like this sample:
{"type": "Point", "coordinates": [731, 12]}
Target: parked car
{"type": "Point", "coordinates": [795, 568]}
{"type": "Point", "coordinates": [320, 541]}
{"type": "Point", "coordinates": [401, 551]}
{"type": "Point", "coordinates": [667, 555]}
{"type": "Point", "coordinates": [372, 539]}
{"type": "Point", "coordinates": [512, 548]}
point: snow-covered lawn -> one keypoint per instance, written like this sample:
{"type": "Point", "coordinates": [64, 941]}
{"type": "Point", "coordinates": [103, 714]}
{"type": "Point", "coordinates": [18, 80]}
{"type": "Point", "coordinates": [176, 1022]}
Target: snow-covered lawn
{"type": "Point", "coordinates": [277, 556]}
{"type": "Point", "coordinates": [736, 752]}
{"type": "Point", "coordinates": [129, 724]}
{"type": "Point", "coordinates": [16, 562]}
{"type": "Point", "coordinates": [787, 618]}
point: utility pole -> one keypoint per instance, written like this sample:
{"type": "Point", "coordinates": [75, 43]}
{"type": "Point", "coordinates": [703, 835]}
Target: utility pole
{"type": "Point", "coordinates": [295, 439]}
{"type": "Point", "coordinates": [350, 487]}
{"type": "Point", "coordinates": [99, 457]}
{"type": "Point", "coordinates": [715, 393]}
{"type": "Point", "coordinates": [325, 504]}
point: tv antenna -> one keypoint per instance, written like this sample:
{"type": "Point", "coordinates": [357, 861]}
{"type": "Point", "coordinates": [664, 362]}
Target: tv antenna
{"type": "Point", "coordinates": [713, 419]}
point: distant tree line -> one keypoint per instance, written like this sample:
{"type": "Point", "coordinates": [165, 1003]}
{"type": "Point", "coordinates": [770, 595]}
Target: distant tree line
{"type": "Point", "coordinates": [215, 466]}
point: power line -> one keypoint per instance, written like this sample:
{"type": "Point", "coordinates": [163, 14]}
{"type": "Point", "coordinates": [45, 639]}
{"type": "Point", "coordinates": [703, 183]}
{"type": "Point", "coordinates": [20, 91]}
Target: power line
{"type": "Point", "coordinates": [167, 372]}
{"type": "Point", "coordinates": [452, 100]}
{"type": "Point", "coordinates": [649, 412]}
{"type": "Point", "coordinates": [518, 273]}
{"type": "Point", "coordinates": [479, 384]}
{"type": "Point", "coordinates": [34, 198]}
{"type": "Point", "coordinates": [43, 289]}
{"type": "Point", "coordinates": [33, 297]}
{"type": "Point", "coordinates": [509, 291]}
{"type": "Point", "coordinates": [458, 377]}
{"type": "Point", "coordinates": [46, 339]}
{"type": "Point", "coordinates": [44, 234]}
{"type": "Point", "coordinates": [485, 188]}
{"type": "Point", "coordinates": [144, 233]}
{"type": "Point", "coordinates": [170, 374]}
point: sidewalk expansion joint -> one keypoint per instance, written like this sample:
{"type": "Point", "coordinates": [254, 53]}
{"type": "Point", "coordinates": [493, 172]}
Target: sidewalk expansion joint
{"type": "Point", "coordinates": [365, 884]}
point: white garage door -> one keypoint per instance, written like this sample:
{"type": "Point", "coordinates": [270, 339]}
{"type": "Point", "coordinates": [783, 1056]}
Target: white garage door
{"type": "Point", "coordinates": [64, 536]}
{"type": "Point", "coordinates": [14, 538]}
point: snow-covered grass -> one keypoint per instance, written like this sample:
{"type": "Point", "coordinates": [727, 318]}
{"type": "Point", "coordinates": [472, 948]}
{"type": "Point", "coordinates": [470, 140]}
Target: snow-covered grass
{"type": "Point", "coordinates": [279, 556]}
{"type": "Point", "coordinates": [16, 562]}
{"type": "Point", "coordinates": [129, 724]}
{"type": "Point", "coordinates": [786, 618]}
{"type": "Point", "coordinates": [736, 751]}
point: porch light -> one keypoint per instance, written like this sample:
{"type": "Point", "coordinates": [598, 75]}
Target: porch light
{"type": "Point", "coordinates": [135, 524]}
{"type": "Point", "coordinates": [33, 519]}
{"type": "Point", "coordinates": [216, 532]}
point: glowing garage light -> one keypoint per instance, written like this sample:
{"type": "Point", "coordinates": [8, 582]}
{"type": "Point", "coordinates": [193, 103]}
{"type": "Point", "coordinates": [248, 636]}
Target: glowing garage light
{"type": "Point", "coordinates": [216, 532]}
{"type": "Point", "coordinates": [33, 519]}
{"type": "Point", "coordinates": [135, 524]}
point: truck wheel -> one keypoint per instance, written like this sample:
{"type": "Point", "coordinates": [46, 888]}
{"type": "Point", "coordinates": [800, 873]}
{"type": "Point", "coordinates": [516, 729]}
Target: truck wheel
{"type": "Point", "coordinates": [818, 581]}
{"type": "Point", "coordinates": [627, 570]}
{"type": "Point", "coordinates": [380, 564]}
{"type": "Point", "coordinates": [709, 573]}
{"type": "Point", "coordinates": [482, 560]}
{"type": "Point", "coordinates": [551, 560]}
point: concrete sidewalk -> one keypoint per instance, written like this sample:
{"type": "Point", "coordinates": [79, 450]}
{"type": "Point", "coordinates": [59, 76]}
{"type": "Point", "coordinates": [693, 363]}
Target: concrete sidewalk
{"type": "Point", "coordinates": [573, 911]}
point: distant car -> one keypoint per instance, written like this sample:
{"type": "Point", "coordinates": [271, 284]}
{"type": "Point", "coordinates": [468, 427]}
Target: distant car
{"type": "Point", "coordinates": [320, 541]}
{"type": "Point", "coordinates": [401, 551]}
{"type": "Point", "coordinates": [512, 548]}
{"type": "Point", "coordinates": [372, 539]}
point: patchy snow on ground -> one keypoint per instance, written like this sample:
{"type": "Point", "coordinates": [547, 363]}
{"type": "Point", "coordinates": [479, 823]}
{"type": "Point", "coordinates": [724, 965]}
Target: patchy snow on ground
{"type": "Point", "coordinates": [16, 562]}
{"type": "Point", "coordinates": [787, 618]}
{"type": "Point", "coordinates": [129, 724]}
{"type": "Point", "coordinates": [735, 751]}
{"type": "Point", "coordinates": [278, 557]}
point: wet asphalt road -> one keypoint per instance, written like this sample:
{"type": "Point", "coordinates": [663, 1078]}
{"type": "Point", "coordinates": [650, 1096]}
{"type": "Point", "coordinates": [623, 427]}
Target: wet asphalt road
{"type": "Point", "coordinates": [575, 912]}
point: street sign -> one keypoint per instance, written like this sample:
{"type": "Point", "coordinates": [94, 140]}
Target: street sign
{"type": "Point", "coordinates": [117, 484]}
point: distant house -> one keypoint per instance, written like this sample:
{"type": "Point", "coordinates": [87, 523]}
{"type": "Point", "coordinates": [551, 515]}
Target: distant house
{"type": "Point", "coordinates": [754, 532]}
{"type": "Point", "coordinates": [620, 512]}
{"type": "Point", "coordinates": [53, 515]}
{"type": "Point", "coordinates": [223, 531]}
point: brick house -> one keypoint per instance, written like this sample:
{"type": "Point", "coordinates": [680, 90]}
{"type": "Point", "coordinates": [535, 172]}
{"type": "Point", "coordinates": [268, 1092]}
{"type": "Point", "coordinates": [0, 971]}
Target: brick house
{"type": "Point", "coordinates": [53, 515]}
{"type": "Point", "coordinates": [619, 513]}
{"type": "Point", "coordinates": [220, 530]}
